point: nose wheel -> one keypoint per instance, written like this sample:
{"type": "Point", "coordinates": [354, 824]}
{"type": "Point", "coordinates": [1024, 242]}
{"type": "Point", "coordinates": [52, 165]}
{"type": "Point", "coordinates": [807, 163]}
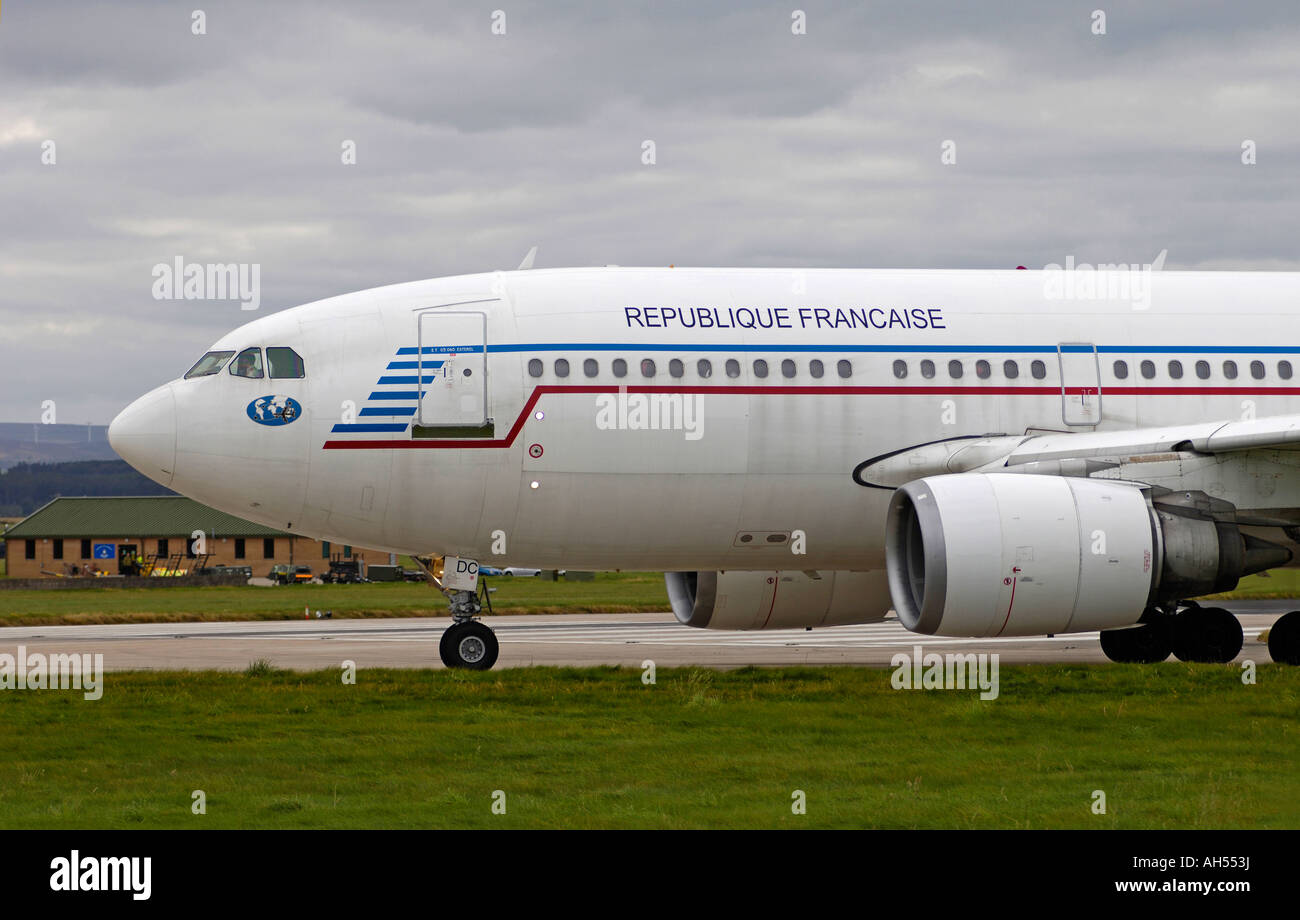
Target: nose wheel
{"type": "Point", "coordinates": [469, 644]}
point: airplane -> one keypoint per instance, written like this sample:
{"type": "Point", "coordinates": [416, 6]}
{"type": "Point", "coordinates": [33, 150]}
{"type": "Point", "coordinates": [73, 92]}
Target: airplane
{"type": "Point", "coordinates": [793, 448]}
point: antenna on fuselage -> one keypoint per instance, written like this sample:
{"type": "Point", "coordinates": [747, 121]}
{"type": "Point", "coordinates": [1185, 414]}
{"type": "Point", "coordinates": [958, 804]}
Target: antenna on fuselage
{"type": "Point", "coordinates": [527, 263]}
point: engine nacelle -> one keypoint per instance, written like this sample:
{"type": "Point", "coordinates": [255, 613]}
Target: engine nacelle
{"type": "Point", "coordinates": [777, 600]}
{"type": "Point", "coordinates": [1002, 554]}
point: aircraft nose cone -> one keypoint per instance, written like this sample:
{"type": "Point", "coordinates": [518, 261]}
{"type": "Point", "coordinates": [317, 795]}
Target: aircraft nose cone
{"type": "Point", "coordinates": [144, 434]}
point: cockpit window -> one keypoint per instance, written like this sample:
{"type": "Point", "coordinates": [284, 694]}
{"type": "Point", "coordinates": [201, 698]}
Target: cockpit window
{"type": "Point", "coordinates": [209, 364]}
{"type": "Point", "coordinates": [248, 364]}
{"type": "Point", "coordinates": [285, 363]}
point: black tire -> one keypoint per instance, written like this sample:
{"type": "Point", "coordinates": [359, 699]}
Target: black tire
{"type": "Point", "coordinates": [1209, 634]}
{"type": "Point", "coordinates": [1284, 639]}
{"type": "Point", "coordinates": [469, 645]}
{"type": "Point", "coordinates": [1145, 644]}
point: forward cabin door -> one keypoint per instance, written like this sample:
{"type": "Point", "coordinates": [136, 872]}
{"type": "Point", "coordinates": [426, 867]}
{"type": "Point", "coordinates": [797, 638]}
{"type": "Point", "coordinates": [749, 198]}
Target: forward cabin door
{"type": "Point", "coordinates": [1080, 383]}
{"type": "Point", "coordinates": [451, 370]}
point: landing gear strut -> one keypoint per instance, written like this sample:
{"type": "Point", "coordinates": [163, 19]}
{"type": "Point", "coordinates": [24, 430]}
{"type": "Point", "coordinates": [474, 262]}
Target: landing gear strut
{"type": "Point", "coordinates": [467, 642]}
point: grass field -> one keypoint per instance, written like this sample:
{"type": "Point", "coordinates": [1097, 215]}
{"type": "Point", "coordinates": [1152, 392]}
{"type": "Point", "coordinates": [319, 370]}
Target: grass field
{"type": "Point", "coordinates": [1171, 745]}
{"type": "Point", "coordinates": [609, 592]}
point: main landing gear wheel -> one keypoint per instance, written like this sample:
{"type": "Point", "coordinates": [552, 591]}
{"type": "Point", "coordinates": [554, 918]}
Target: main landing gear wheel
{"type": "Point", "coordinates": [1284, 639]}
{"type": "Point", "coordinates": [470, 645]}
{"type": "Point", "coordinates": [1206, 634]}
{"type": "Point", "coordinates": [1146, 644]}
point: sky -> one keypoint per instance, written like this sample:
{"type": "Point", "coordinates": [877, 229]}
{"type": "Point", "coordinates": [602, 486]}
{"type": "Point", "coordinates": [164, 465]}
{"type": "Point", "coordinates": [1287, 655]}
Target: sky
{"type": "Point", "coordinates": [481, 130]}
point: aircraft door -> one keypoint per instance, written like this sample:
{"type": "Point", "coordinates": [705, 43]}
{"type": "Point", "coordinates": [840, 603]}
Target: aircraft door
{"type": "Point", "coordinates": [451, 369]}
{"type": "Point", "coordinates": [1080, 383]}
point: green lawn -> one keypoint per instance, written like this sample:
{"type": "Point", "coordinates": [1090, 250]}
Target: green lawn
{"type": "Point", "coordinates": [1170, 745]}
{"type": "Point", "coordinates": [609, 592]}
{"type": "Point", "coordinates": [1279, 583]}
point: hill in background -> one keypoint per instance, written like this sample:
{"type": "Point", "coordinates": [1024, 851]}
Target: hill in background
{"type": "Point", "coordinates": [24, 487]}
{"type": "Point", "coordinates": [29, 442]}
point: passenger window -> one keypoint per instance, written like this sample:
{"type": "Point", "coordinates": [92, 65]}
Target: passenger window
{"type": "Point", "coordinates": [1010, 369]}
{"type": "Point", "coordinates": [1149, 370]}
{"type": "Point", "coordinates": [954, 369]}
{"type": "Point", "coordinates": [927, 369]}
{"type": "Point", "coordinates": [647, 367]}
{"type": "Point", "coordinates": [787, 368]}
{"type": "Point", "coordinates": [982, 369]}
{"type": "Point", "coordinates": [284, 363]}
{"type": "Point", "coordinates": [590, 367]}
{"type": "Point", "coordinates": [1203, 370]}
{"type": "Point", "coordinates": [900, 369]}
{"type": "Point", "coordinates": [1176, 370]}
{"type": "Point", "coordinates": [733, 368]}
{"type": "Point", "coordinates": [844, 369]}
{"type": "Point", "coordinates": [619, 367]}
{"type": "Point", "coordinates": [534, 367]}
{"type": "Point", "coordinates": [704, 368]}
{"type": "Point", "coordinates": [1284, 370]}
{"type": "Point", "coordinates": [1230, 369]}
{"type": "Point", "coordinates": [561, 367]}
{"type": "Point", "coordinates": [1038, 369]}
{"type": "Point", "coordinates": [1121, 370]}
{"type": "Point", "coordinates": [209, 364]}
{"type": "Point", "coordinates": [816, 368]}
{"type": "Point", "coordinates": [1257, 369]}
{"type": "Point", "coordinates": [248, 364]}
{"type": "Point", "coordinates": [676, 368]}
{"type": "Point", "coordinates": [760, 368]}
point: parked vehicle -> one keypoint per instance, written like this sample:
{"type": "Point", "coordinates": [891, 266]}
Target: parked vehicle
{"type": "Point", "coordinates": [344, 572]}
{"type": "Point", "coordinates": [285, 574]}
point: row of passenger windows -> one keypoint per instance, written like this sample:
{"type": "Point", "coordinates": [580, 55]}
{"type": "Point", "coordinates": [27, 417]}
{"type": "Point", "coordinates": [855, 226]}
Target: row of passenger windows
{"type": "Point", "coordinates": [956, 369]}
{"type": "Point", "coordinates": [283, 363]}
{"type": "Point", "coordinates": [677, 367]}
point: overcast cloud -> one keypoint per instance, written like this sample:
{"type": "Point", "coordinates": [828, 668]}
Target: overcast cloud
{"type": "Point", "coordinates": [772, 149]}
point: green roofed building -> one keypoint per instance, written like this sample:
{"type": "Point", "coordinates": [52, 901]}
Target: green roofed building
{"type": "Point", "coordinates": [84, 536]}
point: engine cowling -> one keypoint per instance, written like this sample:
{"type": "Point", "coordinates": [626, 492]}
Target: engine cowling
{"type": "Point", "coordinates": [740, 600]}
{"type": "Point", "coordinates": [1003, 554]}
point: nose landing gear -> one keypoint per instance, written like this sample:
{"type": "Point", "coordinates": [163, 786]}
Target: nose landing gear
{"type": "Point", "coordinates": [467, 643]}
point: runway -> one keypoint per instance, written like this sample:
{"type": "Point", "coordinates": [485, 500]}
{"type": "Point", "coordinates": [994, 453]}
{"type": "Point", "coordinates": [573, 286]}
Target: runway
{"type": "Point", "coordinates": [579, 640]}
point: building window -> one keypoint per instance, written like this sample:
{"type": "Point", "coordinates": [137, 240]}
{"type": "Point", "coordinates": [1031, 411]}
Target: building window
{"type": "Point", "coordinates": [268, 547]}
{"type": "Point", "coordinates": [1038, 369]}
{"type": "Point", "coordinates": [1203, 370]}
{"type": "Point", "coordinates": [704, 368]}
{"type": "Point", "coordinates": [535, 367]}
{"type": "Point", "coordinates": [900, 369]}
{"type": "Point", "coordinates": [58, 548]}
{"type": "Point", "coordinates": [590, 367]}
{"type": "Point", "coordinates": [85, 549]}
{"type": "Point", "coordinates": [29, 549]}
{"type": "Point", "coordinates": [324, 549]}
{"type": "Point", "coordinates": [347, 552]}
{"type": "Point", "coordinates": [1149, 370]}
{"type": "Point", "coordinates": [816, 368]}
{"type": "Point", "coordinates": [561, 367]}
{"type": "Point", "coordinates": [239, 547]}
{"type": "Point", "coordinates": [163, 547]}
{"type": "Point", "coordinates": [189, 548]}
{"type": "Point", "coordinates": [927, 369]}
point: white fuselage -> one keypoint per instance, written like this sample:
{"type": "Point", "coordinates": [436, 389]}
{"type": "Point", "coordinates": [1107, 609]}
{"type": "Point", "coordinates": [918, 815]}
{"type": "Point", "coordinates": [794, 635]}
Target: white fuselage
{"type": "Point", "coordinates": [570, 472]}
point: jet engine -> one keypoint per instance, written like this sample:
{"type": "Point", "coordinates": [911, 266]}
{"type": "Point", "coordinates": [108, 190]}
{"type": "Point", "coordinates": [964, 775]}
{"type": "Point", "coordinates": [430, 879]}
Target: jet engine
{"type": "Point", "coordinates": [777, 600]}
{"type": "Point", "coordinates": [1002, 554]}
